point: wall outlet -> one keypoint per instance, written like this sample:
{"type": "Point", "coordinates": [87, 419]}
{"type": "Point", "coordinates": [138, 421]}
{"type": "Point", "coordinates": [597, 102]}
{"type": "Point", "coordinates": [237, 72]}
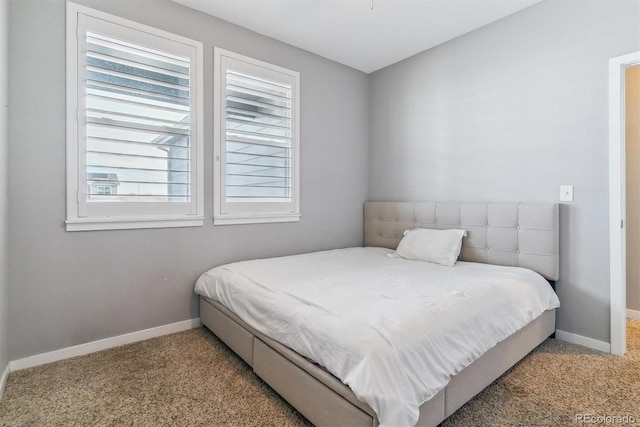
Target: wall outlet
{"type": "Point", "coordinates": [566, 193]}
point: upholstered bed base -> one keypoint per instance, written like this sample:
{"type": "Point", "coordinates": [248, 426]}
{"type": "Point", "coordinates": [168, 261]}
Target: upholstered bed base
{"type": "Point", "coordinates": [514, 234]}
{"type": "Point", "coordinates": [326, 401]}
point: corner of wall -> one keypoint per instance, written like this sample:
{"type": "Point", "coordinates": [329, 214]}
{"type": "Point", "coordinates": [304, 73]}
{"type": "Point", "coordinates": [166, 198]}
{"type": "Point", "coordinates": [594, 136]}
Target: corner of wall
{"type": "Point", "coordinates": [4, 148]}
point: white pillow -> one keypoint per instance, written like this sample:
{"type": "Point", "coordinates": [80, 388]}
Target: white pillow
{"type": "Point", "coordinates": [437, 246]}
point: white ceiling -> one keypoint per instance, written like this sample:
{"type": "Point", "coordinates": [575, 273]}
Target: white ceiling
{"type": "Point", "coordinates": [349, 32]}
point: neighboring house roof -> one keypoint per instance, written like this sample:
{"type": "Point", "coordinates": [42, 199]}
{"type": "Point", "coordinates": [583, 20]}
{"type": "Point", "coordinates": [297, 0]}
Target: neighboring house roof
{"type": "Point", "coordinates": [96, 176]}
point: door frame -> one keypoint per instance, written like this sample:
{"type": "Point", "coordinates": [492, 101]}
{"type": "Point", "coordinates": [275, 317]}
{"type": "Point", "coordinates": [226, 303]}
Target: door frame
{"type": "Point", "coordinates": [617, 200]}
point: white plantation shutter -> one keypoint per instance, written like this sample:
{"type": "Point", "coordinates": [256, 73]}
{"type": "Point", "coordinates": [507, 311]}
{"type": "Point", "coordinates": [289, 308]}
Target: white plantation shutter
{"type": "Point", "coordinates": [256, 142]}
{"type": "Point", "coordinates": [258, 139]}
{"type": "Point", "coordinates": [138, 122]}
{"type": "Point", "coordinates": [134, 111]}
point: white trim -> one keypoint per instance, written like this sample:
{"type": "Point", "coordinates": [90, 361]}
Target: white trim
{"type": "Point", "coordinates": [250, 212]}
{"type": "Point", "coordinates": [73, 8]}
{"type": "Point", "coordinates": [131, 223]}
{"type": "Point", "coordinates": [583, 341]}
{"type": "Point", "coordinates": [3, 380]}
{"type": "Point", "coordinates": [633, 314]}
{"type": "Point", "coordinates": [81, 215]}
{"type": "Point", "coordinates": [617, 201]}
{"type": "Point", "coordinates": [92, 347]}
{"type": "Point", "coordinates": [254, 219]}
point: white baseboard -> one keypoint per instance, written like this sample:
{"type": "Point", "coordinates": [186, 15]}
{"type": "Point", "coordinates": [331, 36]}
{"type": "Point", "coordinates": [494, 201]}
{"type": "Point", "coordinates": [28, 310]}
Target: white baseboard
{"type": "Point", "coordinates": [633, 314]}
{"type": "Point", "coordinates": [3, 380]}
{"type": "Point", "coordinates": [91, 347]}
{"type": "Point", "coordinates": [583, 341]}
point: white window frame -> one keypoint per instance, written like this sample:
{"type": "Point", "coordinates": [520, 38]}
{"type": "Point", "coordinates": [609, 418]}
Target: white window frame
{"type": "Point", "coordinates": [226, 213]}
{"type": "Point", "coordinates": [127, 215]}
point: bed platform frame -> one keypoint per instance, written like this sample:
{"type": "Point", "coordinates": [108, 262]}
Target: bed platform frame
{"type": "Point", "coordinates": [515, 234]}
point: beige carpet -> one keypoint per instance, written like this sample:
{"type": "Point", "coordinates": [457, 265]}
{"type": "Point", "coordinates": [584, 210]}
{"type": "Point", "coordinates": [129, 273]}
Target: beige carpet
{"type": "Point", "coordinates": [558, 381]}
{"type": "Point", "coordinates": [191, 379]}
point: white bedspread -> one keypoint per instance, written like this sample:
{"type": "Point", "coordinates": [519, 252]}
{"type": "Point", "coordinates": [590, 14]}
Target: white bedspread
{"type": "Point", "coordinates": [393, 330]}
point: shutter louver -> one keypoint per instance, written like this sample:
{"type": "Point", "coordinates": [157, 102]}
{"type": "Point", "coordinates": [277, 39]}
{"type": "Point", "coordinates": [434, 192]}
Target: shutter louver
{"type": "Point", "coordinates": [138, 129]}
{"type": "Point", "coordinates": [258, 123]}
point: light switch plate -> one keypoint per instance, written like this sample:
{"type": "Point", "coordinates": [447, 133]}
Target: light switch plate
{"type": "Point", "coordinates": [566, 193]}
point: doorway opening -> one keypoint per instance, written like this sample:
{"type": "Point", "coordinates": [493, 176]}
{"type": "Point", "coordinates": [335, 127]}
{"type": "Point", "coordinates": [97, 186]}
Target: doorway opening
{"type": "Point", "coordinates": [617, 199]}
{"type": "Point", "coordinates": [632, 193]}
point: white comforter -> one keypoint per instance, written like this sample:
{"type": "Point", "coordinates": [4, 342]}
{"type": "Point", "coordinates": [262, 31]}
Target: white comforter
{"type": "Point", "coordinates": [393, 330]}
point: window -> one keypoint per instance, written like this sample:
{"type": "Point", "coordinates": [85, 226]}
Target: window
{"type": "Point", "coordinates": [134, 125]}
{"type": "Point", "coordinates": [256, 141]}
{"type": "Point", "coordinates": [103, 190]}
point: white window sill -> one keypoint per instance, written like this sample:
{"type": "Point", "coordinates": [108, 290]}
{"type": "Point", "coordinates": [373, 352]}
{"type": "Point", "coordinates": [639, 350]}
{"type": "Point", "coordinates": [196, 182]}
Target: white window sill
{"type": "Point", "coordinates": [127, 223]}
{"type": "Point", "coordinates": [254, 219]}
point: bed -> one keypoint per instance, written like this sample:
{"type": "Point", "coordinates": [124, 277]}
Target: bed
{"type": "Point", "coordinates": [503, 234]}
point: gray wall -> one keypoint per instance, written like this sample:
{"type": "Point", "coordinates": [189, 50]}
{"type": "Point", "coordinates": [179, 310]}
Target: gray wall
{"type": "Point", "coordinates": [70, 288]}
{"type": "Point", "coordinates": [510, 112]}
{"type": "Point", "coordinates": [632, 152]}
{"type": "Point", "coordinates": [4, 196]}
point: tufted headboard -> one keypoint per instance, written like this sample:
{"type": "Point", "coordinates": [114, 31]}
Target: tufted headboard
{"type": "Point", "coordinates": [514, 234]}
